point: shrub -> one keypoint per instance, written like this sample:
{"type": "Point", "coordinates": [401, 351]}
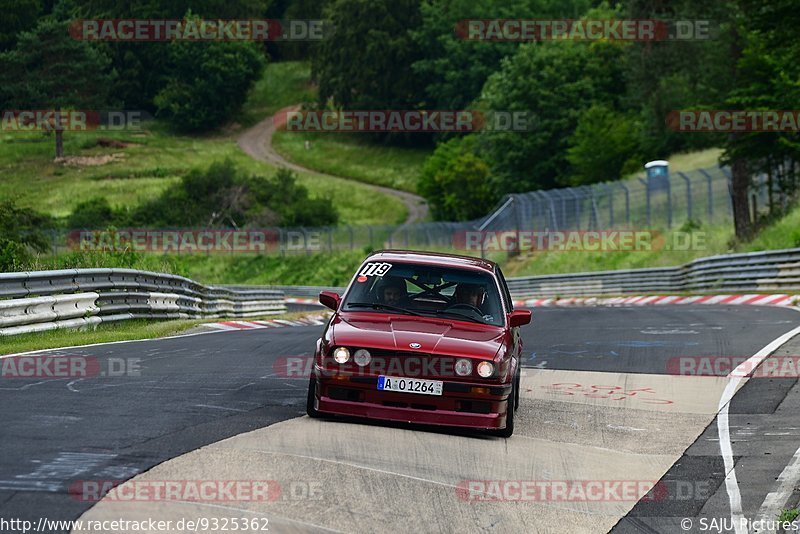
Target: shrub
{"type": "Point", "coordinates": [455, 181]}
{"type": "Point", "coordinates": [92, 214]}
{"type": "Point", "coordinates": [20, 233]}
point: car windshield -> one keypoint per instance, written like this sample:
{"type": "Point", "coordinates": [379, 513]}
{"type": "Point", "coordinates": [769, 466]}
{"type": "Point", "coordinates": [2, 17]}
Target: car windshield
{"type": "Point", "coordinates": [418, 289]}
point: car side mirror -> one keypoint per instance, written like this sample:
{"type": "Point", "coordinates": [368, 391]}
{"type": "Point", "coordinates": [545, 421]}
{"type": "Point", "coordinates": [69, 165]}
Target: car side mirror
{"type": "Point", "coordinates": [519, 317]}
{"type": "Point", "coordinates": [331, 300]}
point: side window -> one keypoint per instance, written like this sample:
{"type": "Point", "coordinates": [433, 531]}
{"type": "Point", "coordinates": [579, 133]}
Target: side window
{"type": "Point", "coordinates": [506, 294]}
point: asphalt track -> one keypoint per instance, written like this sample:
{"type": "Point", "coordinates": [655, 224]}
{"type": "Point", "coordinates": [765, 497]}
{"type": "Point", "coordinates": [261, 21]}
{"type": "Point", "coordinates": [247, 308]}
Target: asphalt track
{"type": "Point", "coordinates": [213, 407]}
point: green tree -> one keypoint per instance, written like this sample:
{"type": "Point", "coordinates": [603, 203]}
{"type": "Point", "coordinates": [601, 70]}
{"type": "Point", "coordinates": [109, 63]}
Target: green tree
{"type": "Point", "coordinates": [18, 16]}
{"type": "Point", "coordinates": [145, 68]}
{"type": "Point", "coordinates": [48, 69]}
{"type": "Point", "coordinates": [556, 81]}
{"type": "Point", "coordinates": [455, 181]}
{"type": "Point", "coordinates": [767, 77]}
{"type": "Point", "coordinates": [603, 147]}
{"type": "Point", "coordinates": [366, 63]}
{"type": "Point", "coordinates": [453, 69]}
{"type": "Point", "coordinates": [209, 82]}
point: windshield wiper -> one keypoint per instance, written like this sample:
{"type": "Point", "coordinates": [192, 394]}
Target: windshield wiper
{"type": "Point", "coordinates": [450, 312]}
{"type": "Point", "coordinates": [379, 306]}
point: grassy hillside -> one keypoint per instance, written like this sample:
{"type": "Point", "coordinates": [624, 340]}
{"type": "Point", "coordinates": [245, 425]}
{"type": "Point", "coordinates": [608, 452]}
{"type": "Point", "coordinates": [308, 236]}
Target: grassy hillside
{"type": "Point", "coordinates": [149, 161]}
{"type": "Point", "coordinates": [283, 84]}
{"type": "Point", "coordinates": [353, 156]}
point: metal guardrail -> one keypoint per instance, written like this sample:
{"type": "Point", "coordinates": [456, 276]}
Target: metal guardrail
{"type": "Point", "coordinates": [45, 300]}
{"type": "Point", "coordinates": [775, 270]}
{"type": "Point", "coordinates": [308, 292]}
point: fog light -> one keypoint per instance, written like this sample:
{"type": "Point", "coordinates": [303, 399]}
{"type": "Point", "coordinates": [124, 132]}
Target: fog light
{"type": "Point", "coordinates": [485, 369]}
{"type": "Point", "coordinates": [463, 367]}
{"type": "Point", "coordinates": [480, 391]}
{"type": "Point", "coordinates": [341, 355]}
{"type": "Point", "coordinates": [362, 357]}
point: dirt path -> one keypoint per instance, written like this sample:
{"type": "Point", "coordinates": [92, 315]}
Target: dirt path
{"type": "Point", "coordinates": [257, 143]}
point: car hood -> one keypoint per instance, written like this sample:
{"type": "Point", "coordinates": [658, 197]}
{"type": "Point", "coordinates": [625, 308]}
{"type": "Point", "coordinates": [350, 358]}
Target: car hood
{"type": "Point", "coordinates": [435, 335]}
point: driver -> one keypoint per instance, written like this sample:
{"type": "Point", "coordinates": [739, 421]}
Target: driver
{"type": "Point", "coordinates": [392, 291]}
{"type": "Point", "coordinates": [470, 294]}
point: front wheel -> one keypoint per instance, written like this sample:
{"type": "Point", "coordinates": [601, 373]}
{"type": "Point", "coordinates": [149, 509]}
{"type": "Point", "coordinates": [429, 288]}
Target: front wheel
{"type": "Point", "coordinates": [509, 429]}
{"type": "Point", "coordinates": [312, 395]}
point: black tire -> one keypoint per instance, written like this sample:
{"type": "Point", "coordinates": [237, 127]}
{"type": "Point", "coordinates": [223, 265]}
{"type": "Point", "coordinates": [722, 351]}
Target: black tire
{"type": "Point", "coordinates": [509, 429]}
{"type": "Point", "coordinates": [312, 394]}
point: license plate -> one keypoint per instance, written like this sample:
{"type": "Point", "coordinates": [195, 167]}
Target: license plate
{"type": "Point", "coordinates": [410, 385]}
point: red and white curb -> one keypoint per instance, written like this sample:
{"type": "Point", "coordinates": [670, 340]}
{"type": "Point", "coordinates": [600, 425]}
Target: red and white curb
{"type": "Point", "coordinates": [272, 323]}
{"type": "Point", "coordinates": [655, 300]}
{"type": "Point", "coordinates": [302, 301]}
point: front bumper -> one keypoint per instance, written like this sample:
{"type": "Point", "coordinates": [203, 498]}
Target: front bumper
{"type": "Point", "coordinates": [458, 406]}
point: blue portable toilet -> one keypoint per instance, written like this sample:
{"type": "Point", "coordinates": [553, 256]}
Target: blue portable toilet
{"type": "Point", "coordinates": [657, 174]}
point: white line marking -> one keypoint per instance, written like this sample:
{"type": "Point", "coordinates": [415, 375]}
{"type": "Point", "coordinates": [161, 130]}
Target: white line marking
{"type": "Point", "coordinates": [776, 500]}
{"type": "Point", "coordinates": [723, 428]}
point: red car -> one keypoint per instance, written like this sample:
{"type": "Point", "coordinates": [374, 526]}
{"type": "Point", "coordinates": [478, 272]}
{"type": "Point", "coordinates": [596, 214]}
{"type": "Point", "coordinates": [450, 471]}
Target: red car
{"type": "Point", "coordinates": [421, 338]}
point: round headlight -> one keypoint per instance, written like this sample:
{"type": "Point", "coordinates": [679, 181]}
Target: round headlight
{"type": "Point", "coordinates": [485, 369]}
{"type": "Point", "coordinates": [341, 355]}
{"type": "Point", "coordinates": [362, 357]}
{"type": "Point", "coordinates": [463, 367]}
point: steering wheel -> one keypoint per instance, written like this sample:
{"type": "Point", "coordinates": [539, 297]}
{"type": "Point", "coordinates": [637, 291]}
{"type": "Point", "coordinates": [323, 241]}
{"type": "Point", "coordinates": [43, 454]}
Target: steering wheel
{"type": "Point", "coordinates": [467, 307]}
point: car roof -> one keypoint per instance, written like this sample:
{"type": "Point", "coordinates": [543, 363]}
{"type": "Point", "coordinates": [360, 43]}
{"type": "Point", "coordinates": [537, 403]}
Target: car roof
{"type": "Point", "coordinates": [432, 258]}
